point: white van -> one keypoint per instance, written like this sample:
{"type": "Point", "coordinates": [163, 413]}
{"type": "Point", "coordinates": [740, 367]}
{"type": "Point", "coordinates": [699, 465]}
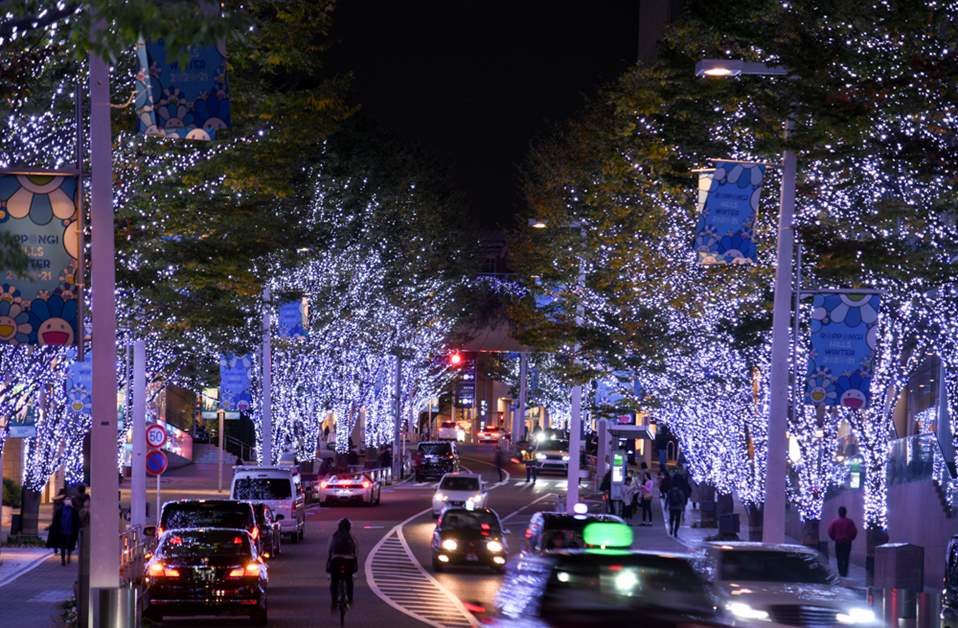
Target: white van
{"type": "Point", "coordinates": [280, 488]}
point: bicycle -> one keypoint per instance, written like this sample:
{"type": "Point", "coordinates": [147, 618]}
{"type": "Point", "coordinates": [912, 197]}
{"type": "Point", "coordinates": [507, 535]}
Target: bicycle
{"type": "Point", "coordinates": [342, 594]}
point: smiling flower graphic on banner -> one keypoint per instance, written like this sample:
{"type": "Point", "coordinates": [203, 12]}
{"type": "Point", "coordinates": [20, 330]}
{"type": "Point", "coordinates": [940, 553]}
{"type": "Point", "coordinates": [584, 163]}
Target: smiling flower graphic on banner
{"type": "Point", "coordinates": [54, 318]}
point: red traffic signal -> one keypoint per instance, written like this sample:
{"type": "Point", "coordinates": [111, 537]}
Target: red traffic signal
{"type": "Point", "coordinates": [455, 359]}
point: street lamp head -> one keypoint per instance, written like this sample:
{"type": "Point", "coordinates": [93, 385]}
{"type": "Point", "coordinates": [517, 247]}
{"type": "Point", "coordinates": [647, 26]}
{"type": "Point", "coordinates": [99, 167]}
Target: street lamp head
{"type": "Point", "coordinates": [538, 223]}
{"type": "Point", "coordinates": [718, 68]}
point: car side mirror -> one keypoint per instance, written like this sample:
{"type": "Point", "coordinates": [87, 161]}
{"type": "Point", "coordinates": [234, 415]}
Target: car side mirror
{"type": "Point", "coordinates": [280, 517]}
{"type": "Point", "coordinates": [149, 531]}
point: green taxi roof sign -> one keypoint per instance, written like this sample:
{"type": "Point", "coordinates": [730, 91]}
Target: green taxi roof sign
{"type": "Point", "coordinates": [607, 535]}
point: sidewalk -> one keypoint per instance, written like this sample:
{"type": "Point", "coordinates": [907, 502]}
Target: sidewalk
{"type": "Point", "coordinates": [34, 597]}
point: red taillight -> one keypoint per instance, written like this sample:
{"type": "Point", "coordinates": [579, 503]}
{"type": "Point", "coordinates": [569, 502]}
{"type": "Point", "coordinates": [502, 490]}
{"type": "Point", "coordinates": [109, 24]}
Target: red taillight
{"type": "Point", "coordinates": [159, 532]}
{"type": "Point", "coordinates": [254, 533]}
{"type": "Point", "coordinates": [251, 570]}
{"type": "Point", "coordinates": [158, 570]}
{"type": "Point", "coordinates": [367, 484]}
{"type": "Point", "coordinates": [323, 484]}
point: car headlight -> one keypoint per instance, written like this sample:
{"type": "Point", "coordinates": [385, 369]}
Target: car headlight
{"type": "Point", "coordinates": [565, 458]}
{"type": "Point", "coordinates": [744, 611]}
{"type": "Point", "coordinates": [540, 457]}
{"type": "Point", "coordinates": [450, 545]}
{"type": "Point", "coordinates": [439, 497]}
{"type": "Point", "coordinates": [494, 546]}
{"type": "Point", "coordinates": [857, 615]}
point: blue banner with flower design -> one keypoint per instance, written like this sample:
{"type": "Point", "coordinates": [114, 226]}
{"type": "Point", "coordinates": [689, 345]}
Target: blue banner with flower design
{"type": "Point", "coordinates": [80, 385]}
{"type": "Point", "coordinates": [190, 101]}
{"type": "Point", "coordinates": [844, 330]}
{"type": "Point", "coordinates": [234, 382]}
{"type": "Point", "coordinates": [40, 307]}
{"type": "Point", "coordinates": [728, 203]}
{"type": "Point", "coordinates": [290, 319]}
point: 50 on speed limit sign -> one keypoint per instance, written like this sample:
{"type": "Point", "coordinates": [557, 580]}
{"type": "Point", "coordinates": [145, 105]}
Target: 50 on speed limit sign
{"type": "Point", "coordinates": [155, 435]}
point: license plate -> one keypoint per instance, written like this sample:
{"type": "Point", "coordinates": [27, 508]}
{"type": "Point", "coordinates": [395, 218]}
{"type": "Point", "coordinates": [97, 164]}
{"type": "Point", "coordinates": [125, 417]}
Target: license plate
{"type": "Point", "coordinates": [343, 492]}
{"type": "Point", "coordinates": [471, 557]}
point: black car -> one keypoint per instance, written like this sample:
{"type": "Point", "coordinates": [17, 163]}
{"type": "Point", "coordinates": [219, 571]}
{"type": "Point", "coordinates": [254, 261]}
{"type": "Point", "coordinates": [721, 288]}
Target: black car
{"type": "Point", "coordinates": [607, 588]}
{"type": "Point", "coordinates": [206, 571]}
{"type": "Point", "coordinates": [210, 513]}
{"type": "Point", "coordinates": [554, 531]}
{"type": "Point", "coordinates": [468, 537]}
{"type": "Point", "coordinates": [270, 531]}
{"type": "Point", "coordinates": [434, 459]}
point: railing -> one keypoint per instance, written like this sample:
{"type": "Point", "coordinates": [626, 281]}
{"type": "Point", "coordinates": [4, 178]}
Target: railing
{"type": "Point", "coordinates": [919, 457]}
{"type": "Point", "coordinates": [131, 555]}
{"type": "Point", "coordinates": [239, 448]}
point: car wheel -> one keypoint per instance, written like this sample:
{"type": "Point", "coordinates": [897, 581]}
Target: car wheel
{"type": "Point", "coordinates": [419, 478]}
{"type": "Point", "coordinates": [327, 502]}
{"type": "Point", "coordinates": [259, 617]}
{"type": "Point", "coordinates": [294, 537]}
{"type": "Point", "coordinates": [153, 614]}
{"type": "Point", "coordinates": [379, 497]}
{"type": "Point", "coordinates": [302, 532]}
{"type": "Point", "coordinates": [436, 566]}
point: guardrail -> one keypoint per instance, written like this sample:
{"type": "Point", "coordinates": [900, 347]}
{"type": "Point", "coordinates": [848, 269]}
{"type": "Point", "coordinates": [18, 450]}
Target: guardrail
{"type": "Point", "coordinates": [131, 555]}
{"type": "Point", "coordinates": [919, 457]}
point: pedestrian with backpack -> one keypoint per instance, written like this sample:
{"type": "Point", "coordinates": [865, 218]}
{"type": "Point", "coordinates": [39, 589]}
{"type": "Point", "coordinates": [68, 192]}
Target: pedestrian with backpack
{"type": "Point", "coordinates": [342, 561]}
{"type": "Point", "coordinates": [675, 499]}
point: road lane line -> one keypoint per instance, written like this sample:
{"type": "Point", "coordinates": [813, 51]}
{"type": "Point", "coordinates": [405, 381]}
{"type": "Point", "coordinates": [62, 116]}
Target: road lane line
{"type": "Point", "coordinates": [497, 484]}
{"type": "Point", "coordinates": [534, 501]}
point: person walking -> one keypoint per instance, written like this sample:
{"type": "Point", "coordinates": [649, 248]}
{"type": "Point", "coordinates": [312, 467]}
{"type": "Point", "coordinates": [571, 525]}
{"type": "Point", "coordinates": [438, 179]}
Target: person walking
{"type": "Point", "coordinates": [842, 530]}
{"type": "Point", "coordinates": [500, 462]}
{"type": "Point", "coordinates": [646, 490]}
{"type": "Point", "coordinates": [64, 528]}
{"type": "Point", "coordinates": [675, 499]}
{"type": "Point", "coordinates": [628, 497]}
{"type": "Point", "coordinates": [665, 483]}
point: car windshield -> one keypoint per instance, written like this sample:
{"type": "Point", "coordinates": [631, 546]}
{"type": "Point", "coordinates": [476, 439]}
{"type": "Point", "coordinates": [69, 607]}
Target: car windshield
{"type": "Point", "coordinates": [553, 445]}
{"type": "Point", "coordinates": [492, 428]}
{"type": "Point", "coordinates": [261, 488]}
{"type": "Point", "coordinates": [206, 543]}
{"type": "Point", "coordinates": [350, 477]}
{"type": "Point", "coordinates": [773, 567]}
{"type": "Point", "coordinates": [564, 533]}
{"type": "Point", "coordinates": [435, 449]}
{"type": "Point", "coordinates": [469, 520]}
{"type": "Point", "coordinates": [448, 424]}
{"type": "Point", "coordinates": [206, 515]}
{"type": "Point", "coordinates": [582, 585]}
{"type": "Point", "coordinates": [459, 484]}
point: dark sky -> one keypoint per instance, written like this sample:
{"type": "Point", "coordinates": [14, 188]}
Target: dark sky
{"type": "Point", "coordinates": [474, 82]}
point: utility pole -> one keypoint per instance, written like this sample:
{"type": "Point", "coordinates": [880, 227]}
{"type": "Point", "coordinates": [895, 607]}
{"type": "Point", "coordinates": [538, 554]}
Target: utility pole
{"type": "Point", "coordinates": [397, 461]}
{"type": "Point", "coordinates": [575, 422]}
{"type": "Point", "coordinates": [520, 420]}
{"type": "Point", "coordinates": [104, 503]}
{"type": "Point", "coordinates": [138, 461]}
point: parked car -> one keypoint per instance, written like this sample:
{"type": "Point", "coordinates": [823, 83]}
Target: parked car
{"type": "Point", "coordinates": [270, 531]}
{"type": "Point", "coordinates": [785, 585]}
{"type": "Point", "coordinates": [350, 487]}
{"type": "Point", "coordinates": [554, 531]}
{"type": "Point", "coordinates": [206, 571]}
{"type": "Point", "coordinates": [278, 487]}
{"type": "Point", "coordinates": [472, 537]}
{"type": "Point", "coordinates": [207, 513]}
{"type": "Point", "coordinates": [459, 490]}
{"type": "Point", "coordinates": [433, 459]}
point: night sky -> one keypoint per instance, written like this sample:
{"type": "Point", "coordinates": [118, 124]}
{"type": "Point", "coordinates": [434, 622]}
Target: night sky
{"type": "Point", "coordinates": [473, 82]}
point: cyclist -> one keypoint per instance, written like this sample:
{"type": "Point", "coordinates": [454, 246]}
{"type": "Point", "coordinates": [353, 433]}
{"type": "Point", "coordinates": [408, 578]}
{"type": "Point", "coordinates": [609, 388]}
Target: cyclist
{"type": "Point", "coordinates": [342, 561]}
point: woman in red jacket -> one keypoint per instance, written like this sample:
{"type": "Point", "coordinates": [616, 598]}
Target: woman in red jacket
{"type": "Point", "coordinates": [843, 531]}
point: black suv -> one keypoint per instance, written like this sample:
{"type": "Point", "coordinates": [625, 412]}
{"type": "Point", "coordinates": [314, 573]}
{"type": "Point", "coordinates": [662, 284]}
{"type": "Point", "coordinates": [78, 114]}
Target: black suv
{"type": "Point", "coordinates": [434, 459]}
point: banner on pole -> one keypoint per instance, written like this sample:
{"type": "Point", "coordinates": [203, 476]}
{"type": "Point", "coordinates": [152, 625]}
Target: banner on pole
{"type": "Point", "coordinates": [844, 329]}
{"type": "Point", "coordinates": [40, 212]}
{"type": "Point", "coordinates": [291, 319]}
{"type": "Point", "coordinates": [189, 102]}
{"type": "Point", "coordinates": [728, 202]}
{"type": "Point", "coordinates": [234, 382]}
{"type": "Point", "coordinates": [80, 385]}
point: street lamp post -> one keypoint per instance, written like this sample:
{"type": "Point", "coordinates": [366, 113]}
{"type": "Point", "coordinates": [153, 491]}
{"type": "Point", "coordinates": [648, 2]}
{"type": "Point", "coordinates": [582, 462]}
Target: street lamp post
{"type": "Point", "coordinates": [575, 419]}
{"type": "Point", "coordinates": [773, 517]}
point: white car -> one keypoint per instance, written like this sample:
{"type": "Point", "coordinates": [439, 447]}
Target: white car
{"type": "Point", "coordinates": [280, 488]}
{"type": "Point", "coordinates": [448, 430]}
{"type": "Point", "coordinates": [489, 434]}
{"type": "Point", "coordinates": [460, 490]}
{"type": "Point", "coordinates": [783, 585]}
{"type": "Point", "coordinates": [350, 487]}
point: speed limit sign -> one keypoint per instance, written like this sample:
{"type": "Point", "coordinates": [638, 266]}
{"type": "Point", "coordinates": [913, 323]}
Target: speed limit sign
{"type": "Point", "coordinates": [155, 435]}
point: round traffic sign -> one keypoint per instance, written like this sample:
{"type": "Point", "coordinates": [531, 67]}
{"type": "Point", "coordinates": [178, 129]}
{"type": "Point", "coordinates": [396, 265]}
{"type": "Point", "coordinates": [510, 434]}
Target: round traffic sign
{"type": "Point", "coordinates": [156, 462]}
{"type": "Point", "coordinates": [155, 435]}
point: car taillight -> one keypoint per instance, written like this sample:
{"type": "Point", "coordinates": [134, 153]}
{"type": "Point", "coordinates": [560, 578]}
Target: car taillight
{"type": "Point", "coordinates": [366, 483]}
{"type": "Point", "coordinates": [323, 484]}
{"type": "Point", "coordinates": [158, 569]}
{"type": "Point", "coordinates": [159, 532]}
{"type": "Point", "coordinates": [251, 569]}
{"type": "Point", "coordinates": [254, 533]}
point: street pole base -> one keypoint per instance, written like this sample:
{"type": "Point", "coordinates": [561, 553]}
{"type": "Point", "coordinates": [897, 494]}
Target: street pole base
{"type": "Point", "coordinates": [114, 608]}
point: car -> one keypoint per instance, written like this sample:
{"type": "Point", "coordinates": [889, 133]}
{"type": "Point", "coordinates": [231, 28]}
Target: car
{"type": "Point", "coordinates": [490, 434]}
{"type": "Point", "coordinates": [551, 453]}
{"type": "Point", "coordinates": [206, 571]}
{"type": "Point", "coordinates": [606, 587]}
{"type": "Point", "coordinates": [270, 531]}
{"type": "Point", "coordinates": [469, 536]}
{"type": "Point", "coordinates": [433, 459]}
{"type": "Point", "coordinates": [553, 531]}
{"type": "Point", "coordinates": [447, 430]}
{"type": "Point", "coordinates": [783, 585]}
{"type": "Point", "coordinates": [949, 592]}
{"type": "Point", "coordinates": [280, 488]}
{"type": "Point", "coordinates": [208, 513]}
{"type": "Point", "coordinates": [350, 487]}
{"type": "Point", "coordinates": [459, 489]}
